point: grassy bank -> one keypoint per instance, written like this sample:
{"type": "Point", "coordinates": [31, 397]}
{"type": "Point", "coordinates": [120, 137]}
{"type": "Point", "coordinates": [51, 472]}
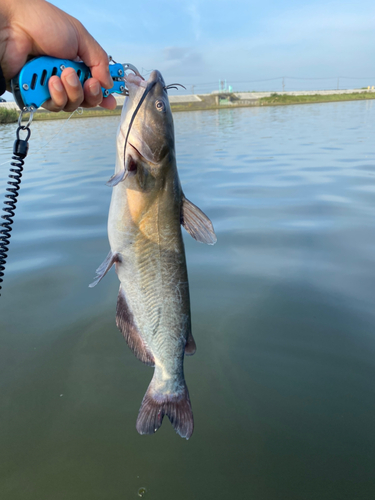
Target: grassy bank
{"type": "Point", "coordinates": [11, 115]}
{"type": "Point", "coordinates": [277, 99]}
{"type": "Point", "coordinates": [206, 102]}
{"type": "Point", "coordinates": [8, 115]}
{"type": "Point", "coordinates": [86, 113]}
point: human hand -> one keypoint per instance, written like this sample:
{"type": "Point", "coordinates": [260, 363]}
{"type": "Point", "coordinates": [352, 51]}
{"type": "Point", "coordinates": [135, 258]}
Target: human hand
{"type": "Point", "coordinates": [35, 28]}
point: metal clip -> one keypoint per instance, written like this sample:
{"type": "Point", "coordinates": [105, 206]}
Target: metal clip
{"type": "Point", "coordinates": [26, 109]}
{"type": "Point", "coordinates": [130, 67]}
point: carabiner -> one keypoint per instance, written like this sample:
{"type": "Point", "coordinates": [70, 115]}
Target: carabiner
{"type": "Point", "coordinates": [29, 109]}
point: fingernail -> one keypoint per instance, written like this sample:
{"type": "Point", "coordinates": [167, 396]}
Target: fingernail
{"type": "Point", "coordinates": [94, 88]}
{"type": "Point", "coordinates": [72, 79]}
{"type": "Point", "coordinates": [57, 85]}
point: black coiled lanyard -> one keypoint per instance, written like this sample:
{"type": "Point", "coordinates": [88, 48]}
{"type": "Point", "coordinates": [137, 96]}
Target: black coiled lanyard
{"type": "Point", "coordinates": [20, 150]}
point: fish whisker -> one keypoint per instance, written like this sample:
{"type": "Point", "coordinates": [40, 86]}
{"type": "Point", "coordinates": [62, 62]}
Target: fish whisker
{"type": "Point", "coordinates": [174, 86]}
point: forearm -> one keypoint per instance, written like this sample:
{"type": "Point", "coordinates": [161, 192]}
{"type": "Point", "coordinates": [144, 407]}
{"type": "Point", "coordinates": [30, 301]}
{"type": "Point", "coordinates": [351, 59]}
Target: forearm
{"type": "Point", "coordinates": [5, 14]}
{"type": "Point", "coordinates": [6, 6]}
{"type": "Point", "coordinates": [10, 7]}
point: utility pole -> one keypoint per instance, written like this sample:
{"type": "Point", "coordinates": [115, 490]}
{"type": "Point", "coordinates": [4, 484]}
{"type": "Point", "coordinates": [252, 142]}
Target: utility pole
{"type": "Point", "coordinates": [192, 89]}
{"type": "Point", "coordinates": [338, 83]}
{"type": "Point", "coordinates": [283, 83]}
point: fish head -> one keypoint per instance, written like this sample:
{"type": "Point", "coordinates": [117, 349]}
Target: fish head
{"type": "Point", "coordinates": [146, 132]}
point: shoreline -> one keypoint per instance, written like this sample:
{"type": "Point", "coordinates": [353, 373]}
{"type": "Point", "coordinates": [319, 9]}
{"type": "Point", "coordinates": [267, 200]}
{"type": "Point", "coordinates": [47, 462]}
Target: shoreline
{"type": "Point", "coordinates": [9, 111]}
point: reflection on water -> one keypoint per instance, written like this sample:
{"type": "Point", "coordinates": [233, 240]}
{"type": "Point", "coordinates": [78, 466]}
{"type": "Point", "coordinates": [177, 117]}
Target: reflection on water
{"type": "Point", "coordinates": [283, 315]}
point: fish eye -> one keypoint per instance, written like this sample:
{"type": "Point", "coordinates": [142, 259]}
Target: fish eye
{"type": "Point", "coordinates": [160, 106]}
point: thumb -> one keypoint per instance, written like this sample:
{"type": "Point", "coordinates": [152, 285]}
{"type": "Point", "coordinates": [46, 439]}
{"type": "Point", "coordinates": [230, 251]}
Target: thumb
{"type": "Point", "coordinates": [93, 55]}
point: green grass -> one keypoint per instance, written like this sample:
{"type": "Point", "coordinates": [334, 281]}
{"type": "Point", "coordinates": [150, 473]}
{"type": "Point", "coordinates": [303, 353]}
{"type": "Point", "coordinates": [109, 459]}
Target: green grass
{"type": "Point", "coordinates": [86, 113]}
{"type": "Point", "coordinates": [296, 99]}
{"type": "Point", "coordinates": [8, 115]}
{"type": "Point", "coordinates": [11, 115]}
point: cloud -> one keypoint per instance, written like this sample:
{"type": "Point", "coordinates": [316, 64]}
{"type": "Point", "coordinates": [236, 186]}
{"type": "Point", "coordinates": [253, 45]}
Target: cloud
{"type": "Point", "coordinates": [175, 53]}
{"type": "Point", "coordinates": [204, 40]}
{"type": "Point", "coordinates": [183, 61]}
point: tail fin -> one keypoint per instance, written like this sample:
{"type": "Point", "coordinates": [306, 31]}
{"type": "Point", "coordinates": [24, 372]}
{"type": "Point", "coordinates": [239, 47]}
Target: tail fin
{"type": "Point", "coordinates": [156, 405]}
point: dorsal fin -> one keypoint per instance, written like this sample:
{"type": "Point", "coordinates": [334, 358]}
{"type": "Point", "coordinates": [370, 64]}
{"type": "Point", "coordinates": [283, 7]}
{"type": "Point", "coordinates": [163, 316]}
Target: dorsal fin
{"type": "Point", "coordinates": [196, 223]}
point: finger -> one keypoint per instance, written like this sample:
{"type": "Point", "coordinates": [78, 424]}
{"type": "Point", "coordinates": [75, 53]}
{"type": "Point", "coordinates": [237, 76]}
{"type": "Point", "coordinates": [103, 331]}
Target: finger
{"type": "Point", "coordinates": [93, 93]}
{"type": "Point", "coordinates": [94, 56]}
{"type": "Point", "coordinates": [73, 89]}
{"type": "Point", "coordinates": [59, 97]}
{"type": "Point", "coordinates": [109, 102]}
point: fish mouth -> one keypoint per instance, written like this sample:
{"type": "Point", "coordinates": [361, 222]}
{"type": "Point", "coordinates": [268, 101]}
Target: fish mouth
{"type": "Point", "coordinates": [138, 80]}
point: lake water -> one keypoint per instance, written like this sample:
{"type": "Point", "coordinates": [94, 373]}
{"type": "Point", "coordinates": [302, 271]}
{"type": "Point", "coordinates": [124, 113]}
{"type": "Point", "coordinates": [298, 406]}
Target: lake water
{"type": "Point", "coordinates": [282, 384]}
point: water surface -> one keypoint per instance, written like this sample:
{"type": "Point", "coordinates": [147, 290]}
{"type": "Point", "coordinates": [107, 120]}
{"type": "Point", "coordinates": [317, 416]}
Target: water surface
{"type": "Point", "coordinates": [282, 384]}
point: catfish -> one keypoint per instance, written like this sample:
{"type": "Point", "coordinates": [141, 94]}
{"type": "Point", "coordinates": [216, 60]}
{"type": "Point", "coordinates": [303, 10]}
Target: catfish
{"type": "Point", "coordinates": [147, 210]}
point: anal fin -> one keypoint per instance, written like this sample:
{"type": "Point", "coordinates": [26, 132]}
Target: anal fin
{"type": "Point", "coordinates": [125, 323]}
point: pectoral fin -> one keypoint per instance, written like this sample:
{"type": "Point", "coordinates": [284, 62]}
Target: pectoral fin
{"type": "Point", "coordinates": [196, 223]}
{"type": "Point", "coordinates": [117, 178]}
{"type": "Point", "coordinates": [104, 267]}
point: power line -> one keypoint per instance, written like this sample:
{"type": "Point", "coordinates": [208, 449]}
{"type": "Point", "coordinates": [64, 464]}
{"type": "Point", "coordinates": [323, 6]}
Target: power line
{"type": "Point", "coordinates": [287, 83]}
{"type": "Point", "coordinates": [334, 78]}
{"type": "Point", "coordinates": [358, 77]}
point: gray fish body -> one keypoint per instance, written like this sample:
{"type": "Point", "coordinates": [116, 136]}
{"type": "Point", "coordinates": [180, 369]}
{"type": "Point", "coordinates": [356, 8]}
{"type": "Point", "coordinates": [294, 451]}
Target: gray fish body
{"type": "Point", "coordinates": [144, 229]}
{"type": "Point", "coordinates": [152, 269]}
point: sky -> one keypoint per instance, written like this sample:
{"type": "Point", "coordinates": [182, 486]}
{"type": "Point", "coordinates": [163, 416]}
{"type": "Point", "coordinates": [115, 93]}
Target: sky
{"type": "Point", "coordinates": [251, 45]}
